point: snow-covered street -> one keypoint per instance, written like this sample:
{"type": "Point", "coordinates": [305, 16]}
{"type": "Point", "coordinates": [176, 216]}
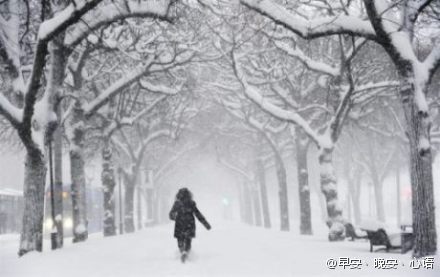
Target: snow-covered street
{"type": "Point", "coordinates": [230, 249]}
{"type": "Point", "coordinates": [299, 136]}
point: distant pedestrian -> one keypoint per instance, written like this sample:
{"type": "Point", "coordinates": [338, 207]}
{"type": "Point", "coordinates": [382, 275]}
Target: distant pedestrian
{"type": "Point", "coordinates": [183, 212]}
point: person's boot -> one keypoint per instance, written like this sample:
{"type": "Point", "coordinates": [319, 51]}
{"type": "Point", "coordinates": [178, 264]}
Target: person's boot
{"type": "Point", "coordinates": [184, 256]}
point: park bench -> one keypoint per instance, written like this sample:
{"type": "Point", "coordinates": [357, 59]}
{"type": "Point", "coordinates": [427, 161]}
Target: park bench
{"type": "Point", "coordinates": [378, 238]}
{"type": "Point", "coordinates": [381, 238]}
{"type": "Point", "coordinates": [407, 237]}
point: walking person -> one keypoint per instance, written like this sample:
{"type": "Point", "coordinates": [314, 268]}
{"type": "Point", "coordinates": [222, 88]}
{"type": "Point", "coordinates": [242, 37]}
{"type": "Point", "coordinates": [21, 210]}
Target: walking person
{"type": "Point", "coordinates": [183, 212]}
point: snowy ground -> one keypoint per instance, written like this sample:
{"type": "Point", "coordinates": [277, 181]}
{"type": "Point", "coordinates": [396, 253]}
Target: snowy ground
{"type": "Point", "coordinates": [230, 249]}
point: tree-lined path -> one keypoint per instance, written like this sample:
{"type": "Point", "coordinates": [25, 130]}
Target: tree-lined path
{"type": "Point", "coordinates": [230, 249]}
{"type": "Point", "coordinates": [306, 116]}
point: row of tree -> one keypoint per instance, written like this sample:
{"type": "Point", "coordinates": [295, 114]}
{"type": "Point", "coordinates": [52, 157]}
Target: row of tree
{"type": "Point", "coordinates": [123, 76]}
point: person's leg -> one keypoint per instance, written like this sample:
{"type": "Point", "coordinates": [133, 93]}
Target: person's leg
{"type": "Point", "coordinates": [188, 244]}
{"type": "Point", "coordinates": [181, 244]}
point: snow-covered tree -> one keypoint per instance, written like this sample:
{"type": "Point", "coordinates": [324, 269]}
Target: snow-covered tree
{"type": "Point", "coordinates": [30, 112]}
{"type": "Point", "coordinates": [396, 26]}
{"type": "Point", "coordinates": [29, 104]}
{"type": "Point", "coordinates": [267, 133]}
{"type": "Point", "coordinates": [145, 51]}
{"type": "Point", "coordinates": [128, 115]}
{"type": "Point", "coordinates": [343, 88]}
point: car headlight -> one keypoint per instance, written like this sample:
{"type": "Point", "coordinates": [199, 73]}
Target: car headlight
{"type": "Point", "coordinates": [68, 223]}
{"type": "Point", "coordinates": [48, 223]}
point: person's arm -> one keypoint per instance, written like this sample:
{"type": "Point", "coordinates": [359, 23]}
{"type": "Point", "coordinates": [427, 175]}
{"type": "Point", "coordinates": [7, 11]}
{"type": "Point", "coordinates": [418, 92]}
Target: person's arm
{"type": "Point", "coordinates": [173, 212]}
{"type": "Point", "coordinates": [201, 218]}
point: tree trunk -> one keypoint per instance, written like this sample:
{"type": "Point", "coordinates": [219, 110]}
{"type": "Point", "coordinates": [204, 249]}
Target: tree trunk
{"type": "Point", "coordinates": [241, 203]}
{"type": "Point", "coordinates": [330, 191]}
{"type": "Point", "coordinates": [155, 206]}
{"type": "Point", "coordinates": [129, 183]}
{"type": "Point", "coordinates": [256, 205]}
{"type": "Point", "coordinates": [349, 212]}
{"type": "Point", "coordinates": [58, 183]}
{"type": "Point", "coordinates": [149, 200]}
{"type": "Point", "coordinates": [305, 226]}
{"type": "Point", "coordinates": [58, 65]}
{"type": "Point", "coordinates": [398, 198]}
{"type": "Point", "coordinates": [249, 216]}
{"type": "Point", "coordinates": [355, 188]}
{"type": "Point", "coordinates": [263, 193]}
{"type": "Point", "coordinates": [164, 207]}
{"type": "Point", "coordinates": [378, 195]}
{"type": "Point", "coordinates": [79, 204]}
{"type": "Point", "coordinates": [79, 209]}
{"type": "Point", "coordinates": [32, 226]}
{"type": "Point", "coordinates": [282, 193]}
{"type": "Point", "coordinates": [139, 207]}
{"type": "Point", "coordinates": [418, 131]}
{"type": "Point", "coordinates": [108, 184]}
{"type": "Point", "coordinates": [377, 184]}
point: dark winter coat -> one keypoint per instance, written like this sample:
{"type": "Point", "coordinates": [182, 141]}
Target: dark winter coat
{"type": "Point", "coordinates": [183, 213]}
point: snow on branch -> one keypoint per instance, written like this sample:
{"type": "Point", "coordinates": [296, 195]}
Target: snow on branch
{"type": "Point", "coordinates": [158, 88]}
{"type": "Point", "coordinates": [398, 37]}
{"type": "Point", "coordinates": [153, 137]}
{"type": "Point", "coordinates": [266, 132]}
{"type": "Point", "coordinates": [147, 109]}
{"type": "Point", "coordinates": [264, 127]}
{"type": "Point", "coordinates": [235, 169]}
{"type": "Point", "coordinates": [48, 30]}
{"type": "Point", "coordinates": [312, 28]}
{"type": "Point", "coordinates": [113, 11]}
{"type": "Point", "coordinates": [376, 85]}
{"type": "Point", "coordinates": [122, 146]}
{"type": "Point", "coordinates": [280, 113]}
{"type": "Point", "coordinates": [236, 110]}
{"type": "Point", "coordinates": [130, 121]}
{"type": "Point", "coordinates": [175, 158]}
{"type": "Point", "coordinates": [12, 113]}
{"type": "Point", "coordinates": [70, 15]}
{"type": "Point", "coordinates": [311, 64]}
{"type": "Point", "coordinates": [284, 95]}
{"type": "Point", "coordinates": [128, 79]}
